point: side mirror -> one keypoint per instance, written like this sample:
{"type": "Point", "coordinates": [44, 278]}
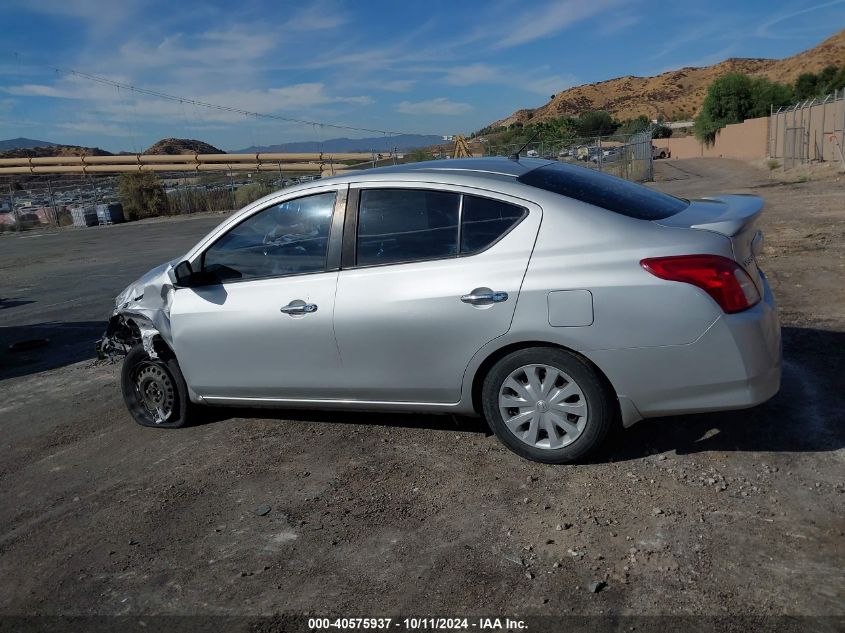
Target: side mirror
{"type": "Point", "coordinates": [183, 274]}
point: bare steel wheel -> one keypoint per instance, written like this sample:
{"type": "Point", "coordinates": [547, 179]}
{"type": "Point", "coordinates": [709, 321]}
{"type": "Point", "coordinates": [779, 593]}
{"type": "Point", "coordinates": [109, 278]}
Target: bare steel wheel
{"type": "Point", "coordinates": [155, 391]}
{"type": "Point", "coordinates": [543, 406]}
{"type": "Point", "coordinates": [548, 404]}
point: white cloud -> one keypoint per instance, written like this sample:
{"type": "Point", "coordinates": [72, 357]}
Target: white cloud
{"type": "Point", "coordinates": [317, 17]}
{"type": "Point", "coordinates": [618, 23]}
{"type": "Point", "coordinates": [549, 85]}
{"type": "Point", "coordinates": [473, 74]}
{"type": "Point", "coordinates": [238, 45]}
{"type": "Point", "coordinates": [765, 29]}
{"type": "Point", "coordinates": [440, 105]}
{"type": "Point", "coordinates": [87, 127]}
{"type": "Point", "coordinates": [95, 13]}
{"type": "Point", "coordinates": [538, 23]}
{"type": "Point", "coordinates": [398, 85]}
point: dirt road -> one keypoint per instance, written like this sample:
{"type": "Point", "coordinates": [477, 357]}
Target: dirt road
{"type": "Point", "coordinates": [724, 514]}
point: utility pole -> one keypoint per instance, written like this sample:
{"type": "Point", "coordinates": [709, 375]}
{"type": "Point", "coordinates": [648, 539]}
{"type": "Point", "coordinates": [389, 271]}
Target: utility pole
{"type": "Point", "coordinates": [53, 202]}
{"type": "Point", "coordinates": [15, 213]}
{"type": "Point", "coordinates": [232, 187]}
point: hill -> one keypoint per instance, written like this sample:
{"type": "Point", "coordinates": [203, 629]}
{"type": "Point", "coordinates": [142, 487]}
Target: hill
{"type": "Point", "coordinates": [675, 94]}
{"type": "Point", "coordinates": [23, 143]}
{"type": "Point", "coordinates": [182, 146]}
{"type": "Point", "coordinates": [403, 142]}
{"type": "Point", "coordinates": [54, 150]}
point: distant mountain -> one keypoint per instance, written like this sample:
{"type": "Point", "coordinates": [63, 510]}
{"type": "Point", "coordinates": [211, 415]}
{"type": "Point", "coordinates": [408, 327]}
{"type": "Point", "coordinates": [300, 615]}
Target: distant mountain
{"type": "Point", "coordinates": [54, 150]}
{"type": "Point", "coordinates": [402, 142]}
{"type": "Point", "coordinates": [182, 146]}
{"type": "Point", "coordinates": [23, 143]}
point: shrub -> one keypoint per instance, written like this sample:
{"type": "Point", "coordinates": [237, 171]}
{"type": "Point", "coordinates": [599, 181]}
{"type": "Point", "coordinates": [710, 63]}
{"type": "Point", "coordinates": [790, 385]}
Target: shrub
{"type": "Point", "coordinates": [142, 195]}
{"type": "Point", "coordinates": [251, 193]}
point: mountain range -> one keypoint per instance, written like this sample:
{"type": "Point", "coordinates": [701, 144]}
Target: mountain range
{"type": "Point", "coordinates": [23, 143]}
{"type": "Point", "coordinates": [24, 147]}
{"type": "Point", "coordinates": [402, 142]}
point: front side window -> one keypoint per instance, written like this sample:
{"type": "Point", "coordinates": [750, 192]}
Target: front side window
{"type": "Point", "coordinates": [405, 225]}
{"type": "Point", "coordinates": [286, 239]}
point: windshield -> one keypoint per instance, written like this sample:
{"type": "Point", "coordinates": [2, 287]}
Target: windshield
{"type": "Point", "coordinates": [605, 191]}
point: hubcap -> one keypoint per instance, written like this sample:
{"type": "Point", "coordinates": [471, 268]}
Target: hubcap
{"type": "Point", "coordinates": [543, 406]}
{"type": "Point", "coordinates": [155, 392]}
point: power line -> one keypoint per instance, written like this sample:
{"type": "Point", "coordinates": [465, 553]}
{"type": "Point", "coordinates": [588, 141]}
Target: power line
{"type": "Point", "coordinates": [214, 106]}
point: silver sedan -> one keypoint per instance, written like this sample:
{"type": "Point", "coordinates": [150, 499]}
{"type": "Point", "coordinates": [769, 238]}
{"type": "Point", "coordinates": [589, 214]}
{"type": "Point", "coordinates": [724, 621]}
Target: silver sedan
{"type": "Point", "coordinates": [553, 300]}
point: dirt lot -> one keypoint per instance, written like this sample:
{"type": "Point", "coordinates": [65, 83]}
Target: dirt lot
{"type": "Point", "coordinates": [738, 514]}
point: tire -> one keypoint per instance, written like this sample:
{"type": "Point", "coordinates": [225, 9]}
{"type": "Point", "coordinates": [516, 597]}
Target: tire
{"type": "Point", "coordinates": [165, 380]}
{"type": "Point", "coordinates": [576, 385]}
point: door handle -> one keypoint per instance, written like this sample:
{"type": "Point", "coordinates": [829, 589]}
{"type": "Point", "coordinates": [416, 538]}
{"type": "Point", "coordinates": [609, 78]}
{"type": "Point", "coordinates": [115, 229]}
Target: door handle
{"type": "Point", "coordinates": [298, 306]}
{"type": "Point", "coordinates": [484, 296]}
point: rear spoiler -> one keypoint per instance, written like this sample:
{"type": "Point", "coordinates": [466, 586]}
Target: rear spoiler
{"type": "Point", "coordinates": [727, 215]}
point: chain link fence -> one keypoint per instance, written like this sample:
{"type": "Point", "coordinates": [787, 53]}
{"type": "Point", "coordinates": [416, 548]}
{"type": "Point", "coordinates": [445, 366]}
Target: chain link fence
{"type": "Point", "coordinates": [629, 156]}
{"type": "Point", "coordinates": [810, 131]}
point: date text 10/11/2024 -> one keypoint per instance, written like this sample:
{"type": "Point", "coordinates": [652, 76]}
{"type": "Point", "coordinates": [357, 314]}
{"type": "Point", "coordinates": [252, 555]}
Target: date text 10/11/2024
{"type": "Point", "coordinates": [417, 624]}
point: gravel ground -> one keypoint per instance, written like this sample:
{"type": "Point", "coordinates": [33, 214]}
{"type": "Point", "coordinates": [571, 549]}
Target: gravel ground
{"type": "Point", "coordinates": [255, 513]}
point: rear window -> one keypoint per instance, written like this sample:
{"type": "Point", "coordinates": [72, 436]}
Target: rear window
{"type": "Point", "coordinates": [605, 191]}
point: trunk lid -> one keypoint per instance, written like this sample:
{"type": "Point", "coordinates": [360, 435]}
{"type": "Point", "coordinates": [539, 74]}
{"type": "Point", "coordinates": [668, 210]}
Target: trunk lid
{"type": "Point", "coordinates": [734, 216]}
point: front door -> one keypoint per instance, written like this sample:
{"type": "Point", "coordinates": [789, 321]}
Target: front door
{"type": "Point", "coordinates": [263, 327]}
{"type": "Point", "coordinates": [435, 275]}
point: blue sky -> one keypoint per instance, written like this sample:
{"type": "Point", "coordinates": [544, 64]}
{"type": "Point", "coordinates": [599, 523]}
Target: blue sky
{"type": "Point", "coordinates": [418, 67]}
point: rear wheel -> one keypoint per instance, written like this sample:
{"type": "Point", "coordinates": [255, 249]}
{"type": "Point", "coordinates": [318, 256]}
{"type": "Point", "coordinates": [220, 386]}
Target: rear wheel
{"type": "Point", "coordinates": [547, 405]}
{"type": "Point", "coordinates": [154, 390]}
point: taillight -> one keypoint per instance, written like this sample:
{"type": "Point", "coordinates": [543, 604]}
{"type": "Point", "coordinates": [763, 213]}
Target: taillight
{"type": "Point", "coordinates": [720, 277]}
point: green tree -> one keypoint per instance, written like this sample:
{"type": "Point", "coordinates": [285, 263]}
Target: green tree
{"type": "Point", "coordinates": [632, 126]}
{"type": "Point", "coordinates": [596, 123]}
{"type": "Point", "coordinates": [734, 98]}
{"type": "Point", "coordinates": [661, 131]}
{"type": "Point", "coordinates": [142, 195]}
{"type": "Point", "coordinates": [836, 81]}
{"type": "Point", "coordinates": [806, 85]}
{"type": "Point", "coordinates": [765, 94]}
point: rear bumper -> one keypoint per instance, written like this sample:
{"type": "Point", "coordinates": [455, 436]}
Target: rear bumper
{"type": "Point", "coordinates": [735, 364]}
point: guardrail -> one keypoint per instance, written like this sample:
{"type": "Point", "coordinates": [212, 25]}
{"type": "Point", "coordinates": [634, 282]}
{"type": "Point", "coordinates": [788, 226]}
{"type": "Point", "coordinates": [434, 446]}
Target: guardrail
{"type": "Point", "coordinates": [267, 161]}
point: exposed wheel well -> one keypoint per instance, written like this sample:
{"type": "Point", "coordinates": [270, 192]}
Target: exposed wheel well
{"type": "Point", "coordinates": [494, 357]}
{"type": "Point", "coordinates": [126, 331]}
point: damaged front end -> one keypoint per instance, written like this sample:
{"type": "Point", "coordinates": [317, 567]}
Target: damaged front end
{"type": "Point", "coordinates": [141, 315]}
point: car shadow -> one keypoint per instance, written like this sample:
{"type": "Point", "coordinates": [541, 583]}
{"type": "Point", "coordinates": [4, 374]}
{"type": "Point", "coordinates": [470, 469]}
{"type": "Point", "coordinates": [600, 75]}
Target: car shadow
{"type": "Point", "coordinates": [434, 422]}
{"type": "Point", "coordinates": [29, 349]}
{"type": "Point", "coordinates": [807, 415]}
{"type": "Point", "coordinates": [6, 303]}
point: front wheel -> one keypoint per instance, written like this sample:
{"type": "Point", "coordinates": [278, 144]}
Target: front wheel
{"type": "Point", "coordinates": [547, 405]}
{"type": "Point", "coordinates": [154, 390]}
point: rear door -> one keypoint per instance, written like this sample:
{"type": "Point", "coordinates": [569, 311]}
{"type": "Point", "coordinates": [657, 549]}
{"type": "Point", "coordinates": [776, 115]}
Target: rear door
{"type": "Point", "coordinates": [430, 275]}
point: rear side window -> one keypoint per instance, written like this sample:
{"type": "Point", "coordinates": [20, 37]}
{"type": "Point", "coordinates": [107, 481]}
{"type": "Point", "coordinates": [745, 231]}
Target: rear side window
{"type": "Point", "coordinates": [404, 225]}
{"type": "Point", "coordinates": [407, 225]}
{"type": "Point", "coordinates": [605, 191]}
{"type": "Point", "coordinates": [484, 221]}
